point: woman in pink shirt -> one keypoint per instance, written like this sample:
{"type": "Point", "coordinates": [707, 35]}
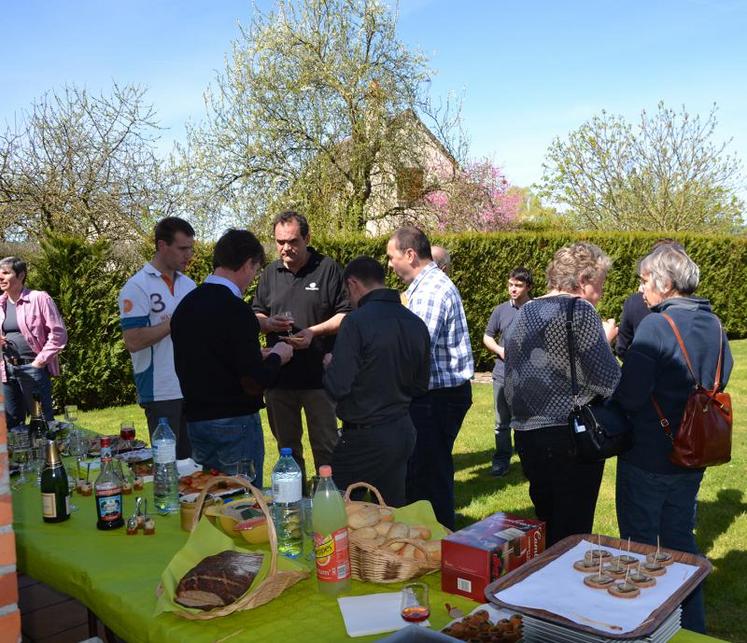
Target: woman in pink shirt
{"type": "Point", "coordinates": [31, 336]}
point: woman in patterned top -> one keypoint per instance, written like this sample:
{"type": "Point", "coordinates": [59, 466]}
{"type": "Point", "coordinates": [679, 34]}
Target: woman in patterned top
{"type": "Point", "coordinates": [538, 387]}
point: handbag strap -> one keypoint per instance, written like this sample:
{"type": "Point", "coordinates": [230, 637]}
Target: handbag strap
{"type": "Point", "coordinates": [571, 346]}
{"type": "Point", "coordinates": [663, 421]}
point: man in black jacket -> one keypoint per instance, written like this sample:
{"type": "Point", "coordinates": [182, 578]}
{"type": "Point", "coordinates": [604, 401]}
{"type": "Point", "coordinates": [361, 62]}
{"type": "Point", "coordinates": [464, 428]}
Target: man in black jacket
{"type": "Point", "coordinates": [221, 368]}
{"type": "Point", "coordinates": [381, 360]}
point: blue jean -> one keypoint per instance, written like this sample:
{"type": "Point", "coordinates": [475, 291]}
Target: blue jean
{"type": "Point", "coordinates": [23, 382]}
{"type": "Point", "coordinates": [655, 504]}
{"type": "Point", "coordinates": [216, 444]}
{"type": "Point", "coordinates": [502, 455]}
{"type": "Point", "coordinates": [437, 417]}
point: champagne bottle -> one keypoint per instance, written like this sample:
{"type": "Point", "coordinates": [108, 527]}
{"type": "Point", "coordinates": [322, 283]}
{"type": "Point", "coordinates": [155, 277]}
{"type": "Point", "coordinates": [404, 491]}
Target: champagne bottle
{"type": "Point", "coordinates": [108, 491]}
{"type": "Point", "coordinates": [38, 428]}
{"type": "Point", "coordinates": [54, 490]}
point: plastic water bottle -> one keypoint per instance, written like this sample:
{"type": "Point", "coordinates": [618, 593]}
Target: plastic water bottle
{"type": "Point", "coordinates": [286, 504]}
{"type": "Point", "coordinates": [165, 476]}
{"type": "Point", "coordinates": [329, 522]}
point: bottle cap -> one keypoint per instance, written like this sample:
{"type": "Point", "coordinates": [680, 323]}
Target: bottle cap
{"type": "Point", "coordinates": [325, 471]}
{"type": "Point", "coordinates": [286, 451]}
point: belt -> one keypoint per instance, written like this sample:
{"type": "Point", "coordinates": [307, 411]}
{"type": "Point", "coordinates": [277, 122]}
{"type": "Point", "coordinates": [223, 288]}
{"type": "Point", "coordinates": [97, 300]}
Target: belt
{"type": "Point", "coordinates": [353, 426]}
{"type": "Point", "coordinates": [18, 361]}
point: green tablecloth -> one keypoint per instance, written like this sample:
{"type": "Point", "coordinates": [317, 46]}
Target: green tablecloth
{"type": "Point", "coordinates": [116, 575]}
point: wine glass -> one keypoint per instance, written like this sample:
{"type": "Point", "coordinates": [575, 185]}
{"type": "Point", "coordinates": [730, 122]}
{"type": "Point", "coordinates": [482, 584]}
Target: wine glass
{"type": "Point", "coordinates": [287, 315]}
{"type": "Point", "coordinates": [414, 607]}
{"type": "Point", "coordinates": [18, 444]}
{"type": "Point", "coordinates": [71, 413]}
{"type": "Point", "coordinates": [71, 470]}
{"type": "Point", "coordinates": [127, 434]}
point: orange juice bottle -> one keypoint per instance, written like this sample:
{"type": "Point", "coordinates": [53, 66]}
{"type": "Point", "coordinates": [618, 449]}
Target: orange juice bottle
{"type": "Point", "coordinates": [329, 522]}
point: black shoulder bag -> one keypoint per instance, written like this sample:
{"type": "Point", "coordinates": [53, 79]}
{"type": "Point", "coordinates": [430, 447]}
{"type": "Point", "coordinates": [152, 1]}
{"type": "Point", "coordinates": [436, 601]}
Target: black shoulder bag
{"type": "Point", "coordinates": [593, 441]}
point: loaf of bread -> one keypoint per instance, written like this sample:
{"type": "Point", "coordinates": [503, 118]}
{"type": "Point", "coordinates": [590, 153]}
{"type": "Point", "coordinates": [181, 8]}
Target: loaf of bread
{"type": "Point", "coordinates": [218, 580]}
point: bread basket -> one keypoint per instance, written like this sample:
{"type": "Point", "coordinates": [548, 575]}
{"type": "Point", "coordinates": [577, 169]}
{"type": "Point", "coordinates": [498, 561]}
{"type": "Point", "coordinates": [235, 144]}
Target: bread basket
{"type": "Point", "coordinates": [276, 581]}
{"type": "Point", "coordinates": [370, 561]}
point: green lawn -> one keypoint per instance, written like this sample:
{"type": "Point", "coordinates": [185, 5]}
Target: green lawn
{"type": "Point", "coordinates": [722, 508]}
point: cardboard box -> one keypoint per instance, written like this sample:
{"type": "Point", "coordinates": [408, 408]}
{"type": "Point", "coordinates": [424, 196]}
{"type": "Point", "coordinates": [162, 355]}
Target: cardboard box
{"type": "Point", "coordinates": [473, 557]}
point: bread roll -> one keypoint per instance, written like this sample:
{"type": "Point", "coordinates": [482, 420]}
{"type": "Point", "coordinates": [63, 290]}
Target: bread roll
{"type": "Point", "coordinates": [419, 532]}
{"type": "Point", "coordinates": [383, 527]}
{"type": "Point", "coordinates": [386, 514]}
{"type": "Point", "coordinates": [351, 508]}
{"type": "Point", "coordinates": [408, 551]}
{"type": "Point", "coordinates": [366, 517]}
{"type": "Point", "coordinates": [433, 547]}
{"type": "Point", "coordinates": [366, 532]}
{"type": "Point", "coordinates": [398, 530]}
{"type": "Point", "coordinates": [395, 547]}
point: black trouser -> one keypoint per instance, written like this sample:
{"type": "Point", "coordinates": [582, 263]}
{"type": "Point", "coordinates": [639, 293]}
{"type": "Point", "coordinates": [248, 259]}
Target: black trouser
{"type": "Point", "coordinates": [437, 417]}
{"type": "Point", "coordinates": [376, 454]}
{"type": "Point", "coordinates": [173, 411]}
{"type": "Point", "coordinates": [563, 490]}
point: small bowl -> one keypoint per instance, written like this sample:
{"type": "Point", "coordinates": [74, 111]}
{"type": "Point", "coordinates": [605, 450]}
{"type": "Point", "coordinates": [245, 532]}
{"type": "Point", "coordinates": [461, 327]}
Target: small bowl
{"type": "Point", "coordinates": [188, 506]}
{"type": "Point", "coordinates": [253, 525]}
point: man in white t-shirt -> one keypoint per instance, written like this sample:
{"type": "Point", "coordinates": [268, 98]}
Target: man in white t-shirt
{"type": "Point", "coordinates": [145, 304]}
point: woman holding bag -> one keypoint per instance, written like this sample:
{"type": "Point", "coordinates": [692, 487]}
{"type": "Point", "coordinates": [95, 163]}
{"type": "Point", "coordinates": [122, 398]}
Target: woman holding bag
{"type": "Point", "coordinates": [538, 387]}
{"type": "Point", "coordinates": [654, 497]}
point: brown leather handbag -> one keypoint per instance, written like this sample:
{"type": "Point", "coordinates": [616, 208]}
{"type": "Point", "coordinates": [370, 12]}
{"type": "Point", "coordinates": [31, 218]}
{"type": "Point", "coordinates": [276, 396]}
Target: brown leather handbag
{"type": "Point", "coordinates": [703, 438]}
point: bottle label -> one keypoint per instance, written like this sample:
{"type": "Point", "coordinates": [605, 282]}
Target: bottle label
{"type": "Point", "coordinates": [332, 556]}
{"type": "Point", "coordinates": [49, 505]}
{"type": "Point", "coordinates": [286, 491]}
{"type": "Point", "coordinates": [164, 452]}
{"type": "Point", "coordinates": [109, 504]}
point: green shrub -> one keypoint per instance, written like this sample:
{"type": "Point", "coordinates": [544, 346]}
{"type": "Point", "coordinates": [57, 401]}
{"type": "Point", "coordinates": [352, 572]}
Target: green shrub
{"type": "Point", "coordinates": [84, 279]}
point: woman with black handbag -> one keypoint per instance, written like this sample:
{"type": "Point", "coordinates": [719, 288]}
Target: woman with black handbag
{"type": "Point", "coordinates": [656, 498]}
{"type": "Point", "coordinates": [538, 390]}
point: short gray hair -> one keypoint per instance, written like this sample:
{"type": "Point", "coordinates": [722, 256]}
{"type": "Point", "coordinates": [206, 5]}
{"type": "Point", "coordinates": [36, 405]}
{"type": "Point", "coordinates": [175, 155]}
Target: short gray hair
{"type": "Point", "coordinates": [16, 264]}
{"type": "Point", "coordinates": [671, 268]}
{"type": "Point", "coordinates": [574, 264]}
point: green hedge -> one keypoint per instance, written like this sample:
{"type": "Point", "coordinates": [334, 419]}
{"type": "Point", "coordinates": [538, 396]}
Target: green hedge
{"type": "Point", "coordinates": [85, 278]}
{"type": "Point", "coordinates": [481, 263]}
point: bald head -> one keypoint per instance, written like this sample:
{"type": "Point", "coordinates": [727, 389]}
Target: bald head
{"type": "Point", "coordinates": [441, 257]}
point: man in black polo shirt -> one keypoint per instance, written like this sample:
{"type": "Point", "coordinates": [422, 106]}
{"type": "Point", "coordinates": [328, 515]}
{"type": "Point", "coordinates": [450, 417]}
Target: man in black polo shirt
{"type": "Point", "coordinates": [380, 362]}
{"type": "Point", "coordinates": [519, 287]}
{"type": "Point", "coordinates": [222, 370]}
{"type": "Point", "coordinates": [308, 286]}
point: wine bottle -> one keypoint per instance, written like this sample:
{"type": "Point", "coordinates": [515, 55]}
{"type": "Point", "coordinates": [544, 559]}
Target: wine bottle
{"type": "Point", "coordinates": [38, 427]}
{"type": "Point", "coordinates": [54, 490]}
{"type": "Point", "coordinates": [108, 491]}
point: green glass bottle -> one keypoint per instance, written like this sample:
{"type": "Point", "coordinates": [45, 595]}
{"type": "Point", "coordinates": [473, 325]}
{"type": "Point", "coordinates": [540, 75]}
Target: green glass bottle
{"type": "Point", "coordinates": [54, 489]}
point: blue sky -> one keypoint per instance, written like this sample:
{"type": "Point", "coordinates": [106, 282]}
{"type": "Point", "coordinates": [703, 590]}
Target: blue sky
{"type": "Point", "coordinates": [529, 71]}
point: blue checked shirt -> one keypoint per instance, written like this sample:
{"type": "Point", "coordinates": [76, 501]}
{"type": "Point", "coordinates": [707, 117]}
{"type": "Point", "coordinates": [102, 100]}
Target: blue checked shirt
{"type": "Point", "coordinates": [435, 299]}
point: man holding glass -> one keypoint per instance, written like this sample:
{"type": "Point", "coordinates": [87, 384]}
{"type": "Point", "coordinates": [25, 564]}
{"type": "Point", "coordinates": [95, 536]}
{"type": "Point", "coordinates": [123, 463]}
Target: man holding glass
{"type": "Point", "coordinates": [309, 286]}
{"type": "Point", "coordinates": [224, 373]}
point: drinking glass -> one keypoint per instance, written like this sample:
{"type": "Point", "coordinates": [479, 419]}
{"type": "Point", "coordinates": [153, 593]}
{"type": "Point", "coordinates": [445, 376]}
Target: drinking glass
{"type": "Point", "coordinates": [18, 444]}
{"type": "Point", "coordinates": [71, 470]}
{"type": "Point", "coordinates": [77, 444]}
{"type": "Point", "coordinates": [127, 434]}
{"type": "Point", "coordinates": [243, 468]}
{"type": "Point", "coordinates": [36, 461]}
{"type": "Point", "coordinates": [414, 606]}
{"type": "Point", "coordinates": [308, 527]}
{"type": "Point", "coordinates": [287, 315]}
{"type": "Point", "coordinates": [71, 413]}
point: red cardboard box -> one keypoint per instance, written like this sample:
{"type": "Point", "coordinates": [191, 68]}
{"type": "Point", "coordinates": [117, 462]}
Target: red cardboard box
{"type": "Point", "coordinates": [473, 557]}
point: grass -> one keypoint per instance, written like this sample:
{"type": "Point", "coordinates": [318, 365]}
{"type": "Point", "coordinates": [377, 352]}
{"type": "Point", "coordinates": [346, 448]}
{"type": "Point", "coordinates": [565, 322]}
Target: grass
{"type": "Point", "coordinates": [722, 507]}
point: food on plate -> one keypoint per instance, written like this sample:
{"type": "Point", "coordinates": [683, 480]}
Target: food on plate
{"type": "Point", "coordinates": [624, 589]}
{"type": "Point", "coordinates": [627, 560]}
{"type": "Point", "coordinates": [197, 481]}
{"type": "Point", "coordinates": [639, 579]}
{"type": "Point", "coordinates": [218, 580]}
{"type": "Point", "coordinates": [585, 565]}
{"type": "Point", "coordinates": [615, 568]}
{"type": "Point", "coordinates": [654, 568]}
{"type": "Point", "coordinates": [596, 553]}
{"type": "Point", "coordinates": [598, 581]}
{"type": "Point", "coordinates": [477, 627]}
{"type": "Point", "coordinates": [660, 557]}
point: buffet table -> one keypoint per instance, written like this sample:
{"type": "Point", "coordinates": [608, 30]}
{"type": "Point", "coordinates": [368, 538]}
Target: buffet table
{"type": "Point", "coordinates": [116, 576]}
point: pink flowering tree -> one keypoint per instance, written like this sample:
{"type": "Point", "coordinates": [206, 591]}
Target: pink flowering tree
{"type": "Point", "coordinates": [477, 197]}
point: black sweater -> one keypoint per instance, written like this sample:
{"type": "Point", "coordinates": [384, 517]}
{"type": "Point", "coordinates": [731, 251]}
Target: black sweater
{"type": "Point", "coordinates": [217, 355]}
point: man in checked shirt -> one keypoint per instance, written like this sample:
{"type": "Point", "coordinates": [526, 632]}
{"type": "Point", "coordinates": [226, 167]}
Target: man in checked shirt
{"type": "Point", "coordinates": [437, 415]}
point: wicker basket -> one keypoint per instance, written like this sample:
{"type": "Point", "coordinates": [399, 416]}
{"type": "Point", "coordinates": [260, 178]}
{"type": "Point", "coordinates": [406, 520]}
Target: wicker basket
{"type": "Point", "coordinates": [372, 562]}
{"type": "Point", "coordinates": [276, 581]}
